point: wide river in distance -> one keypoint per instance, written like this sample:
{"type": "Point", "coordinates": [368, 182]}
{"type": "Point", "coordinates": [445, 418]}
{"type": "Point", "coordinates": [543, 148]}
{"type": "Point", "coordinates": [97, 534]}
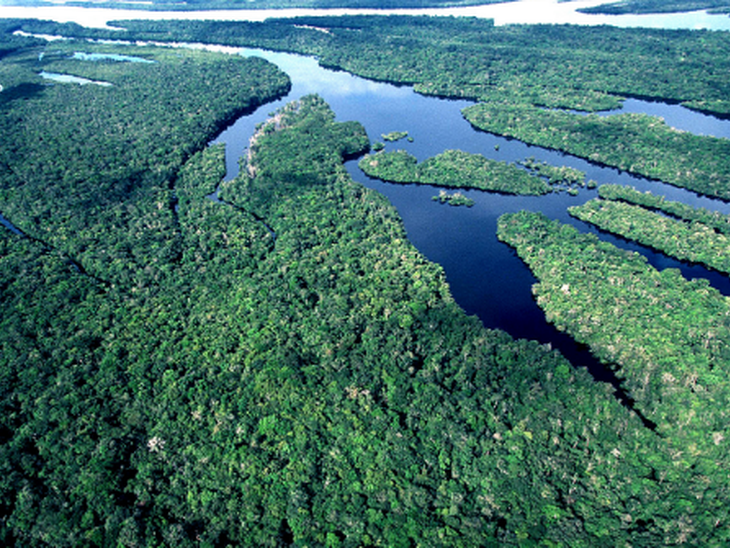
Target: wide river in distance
{"type": "Point", "coordinates": [519, 12]}
{"type": "Point", "coordinates": [486, 277]}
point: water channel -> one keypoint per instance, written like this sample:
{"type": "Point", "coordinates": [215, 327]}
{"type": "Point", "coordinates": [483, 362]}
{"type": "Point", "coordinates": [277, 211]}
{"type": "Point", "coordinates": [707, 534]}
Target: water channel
{"type": "Point", "coordinates": [486, 277]}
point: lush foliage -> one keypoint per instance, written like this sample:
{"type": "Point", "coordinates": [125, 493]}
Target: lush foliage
{"type": "Point", "coordinates": [453, 168]}
{"type": "Point", "coordinates": [693, 242]}
{"type": "Point", "coordinates": [394, 136]}
{"type": "Point", "coordinates": [298, 374]}
{"type": "Point", "coordinates": [111, 206]}
{"type": "Point", "coordinates": [294, 372]}
{"type": "Point", "coordinates": [628, 194]}
{"type": "Point", "coordinates": [636, 143]}
{"type": "Point", "coordinates": [456, 199]}
{"type": "Point", "coordinates": [582, 68]}
{"type": "Point", "coordinates": [301, 375]}
{"type": "Point", "coordinates": [559, 177]}
{"type": "Point", "coordinates": [670, 337]}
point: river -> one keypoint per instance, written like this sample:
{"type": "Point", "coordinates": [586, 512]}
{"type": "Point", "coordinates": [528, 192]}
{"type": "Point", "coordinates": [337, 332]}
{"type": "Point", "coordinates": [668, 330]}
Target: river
{"type": "Point", "coordinates": [520, 12]}
{"type": "Point", "coordinates": [486, 277]}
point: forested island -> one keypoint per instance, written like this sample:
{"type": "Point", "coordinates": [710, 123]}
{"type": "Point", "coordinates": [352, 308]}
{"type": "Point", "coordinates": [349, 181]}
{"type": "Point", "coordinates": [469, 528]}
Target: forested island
{"type": "Point", "coordinates": [281, 366]}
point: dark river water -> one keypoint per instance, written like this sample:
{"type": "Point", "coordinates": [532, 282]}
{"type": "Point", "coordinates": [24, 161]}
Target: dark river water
{"type": "Point", "coordinates": [485, 275]}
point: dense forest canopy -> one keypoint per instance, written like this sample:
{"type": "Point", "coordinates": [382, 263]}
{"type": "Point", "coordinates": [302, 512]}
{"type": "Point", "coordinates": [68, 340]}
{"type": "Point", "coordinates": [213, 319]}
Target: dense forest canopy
{"type": "Point", "coordinates": [556, 66]}
{"type": "Point", "coordinates": [282, 367]}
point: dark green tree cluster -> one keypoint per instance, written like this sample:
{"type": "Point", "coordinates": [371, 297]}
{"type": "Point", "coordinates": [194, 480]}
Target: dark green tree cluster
{"type": "Point", "coordinates": [453, 168]}
{"type": "Point", "coordinates": [694, 242]}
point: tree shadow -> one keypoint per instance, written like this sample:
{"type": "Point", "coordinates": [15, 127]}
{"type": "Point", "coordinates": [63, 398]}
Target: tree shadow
{"type": "Point", "coordinates": [23, 91]}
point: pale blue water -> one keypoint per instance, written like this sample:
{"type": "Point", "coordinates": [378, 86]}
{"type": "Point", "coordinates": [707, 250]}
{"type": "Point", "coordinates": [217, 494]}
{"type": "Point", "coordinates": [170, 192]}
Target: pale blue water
{"type": "Point", "coordinates": [81, 56]}
{"type": "Point", "coordinates": [70, 79]}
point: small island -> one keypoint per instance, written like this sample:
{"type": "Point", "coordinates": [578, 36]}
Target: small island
{"type": "Point", "coordinates": [455, 169]}
{"type": "Point", "coordinates": [394, 136]}
{"type": "Point", "coordinates": [456, 199]}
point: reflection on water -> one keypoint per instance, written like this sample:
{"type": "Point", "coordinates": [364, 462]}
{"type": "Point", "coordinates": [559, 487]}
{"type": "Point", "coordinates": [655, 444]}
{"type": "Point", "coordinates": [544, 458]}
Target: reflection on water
{"type": "Point", "coordinates": [676, 116]}
{"type": "Point", "coordinates": [69, 79]}
{"type": "Point", "coordinates": [486, 277]}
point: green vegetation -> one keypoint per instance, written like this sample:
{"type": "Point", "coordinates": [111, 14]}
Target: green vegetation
{"type": "Point", "coordinates": [670, 337]}
{"type": "Point", "coordinates": [628, 194]}
{"type": "Point", "coordinates": [284, 368]}
{"type": "Point", "coordinates": [585, 68]}
{"type": "Point", "coordinates": [453, 168]}
{"type": "Point", "coordinates": [657, 6]}
{"type": "Point", "coordinates": [693, 241]}
{"type": "Point", "coordinates": [456, 199]}
{"type": "Point", "coordinates": [299, 375]}
{"type": "Point", "coordinates": [517, 71]}
{"type": "Point", "coordinates": [636, 143]}
{"type": "Point", "coordinates": [111, 206]}
{"type": "Point", "coordinates": [559, 177]}
{"type": "Point", "coordinates": [394, 136]}
{"type": "Point", "coordinates": [295, 374]}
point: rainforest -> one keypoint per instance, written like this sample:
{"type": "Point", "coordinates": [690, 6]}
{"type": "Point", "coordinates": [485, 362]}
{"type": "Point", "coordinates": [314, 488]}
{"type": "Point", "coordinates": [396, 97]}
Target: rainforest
{"type": "Point", "coordinates": [191, 357]}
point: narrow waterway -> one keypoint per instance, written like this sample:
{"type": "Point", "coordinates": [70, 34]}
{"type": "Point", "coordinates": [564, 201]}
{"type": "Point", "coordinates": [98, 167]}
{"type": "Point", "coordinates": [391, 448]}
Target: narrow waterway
{"type": "Point", "coordinates": [10, 226]}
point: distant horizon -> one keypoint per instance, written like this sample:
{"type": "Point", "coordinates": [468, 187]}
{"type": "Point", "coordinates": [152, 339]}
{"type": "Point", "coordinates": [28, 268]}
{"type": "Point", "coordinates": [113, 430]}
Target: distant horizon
{"type": "Point", "coordinates": [504, 13]}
